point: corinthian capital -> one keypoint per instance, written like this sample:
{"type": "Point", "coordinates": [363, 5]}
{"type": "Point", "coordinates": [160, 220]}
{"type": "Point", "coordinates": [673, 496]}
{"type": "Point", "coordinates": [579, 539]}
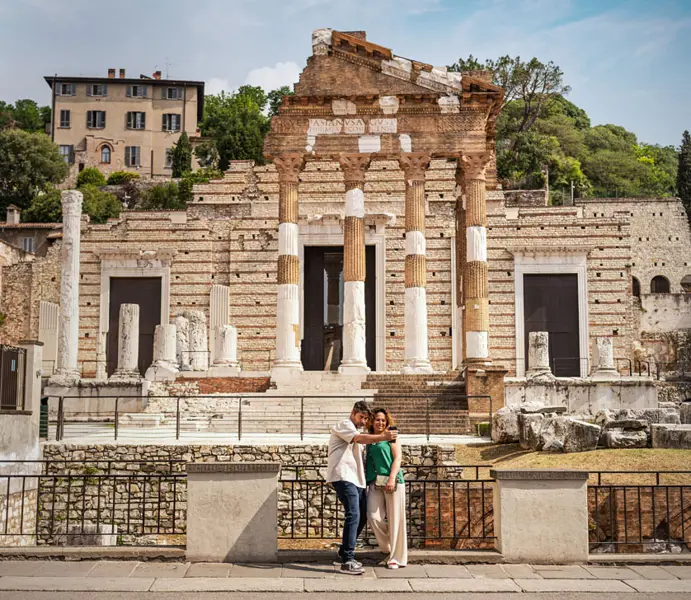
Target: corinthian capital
{"type": "Point", "coordinates": [289, 167]}
{"type": "Point", "coordinates": [354, 167]}
{"type": "Point", "coordinates": [414, 165]}
{"type": "Point", "coordinates": [474, 165]}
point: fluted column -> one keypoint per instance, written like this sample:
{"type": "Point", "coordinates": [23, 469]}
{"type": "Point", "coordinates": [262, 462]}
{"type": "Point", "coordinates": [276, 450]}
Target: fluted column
{"type": "Point", "coordinates": [414, 165]}
{"type": "Point", "coordinates": [354, 336]}
{"type": "Point", "coordinates": [460, 264]}
{"type": "Point", "coordinates": [288, 302]}
{"type": "Point", "coordinates": [475, 276]}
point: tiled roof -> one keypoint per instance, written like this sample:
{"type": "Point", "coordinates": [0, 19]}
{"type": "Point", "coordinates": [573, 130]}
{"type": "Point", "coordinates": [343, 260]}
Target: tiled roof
{"type": "Point", "coordinates": [31, 226]}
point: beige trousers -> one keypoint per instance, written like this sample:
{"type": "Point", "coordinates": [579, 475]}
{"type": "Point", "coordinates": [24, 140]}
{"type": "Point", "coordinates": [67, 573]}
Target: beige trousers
{"type": "Point", "coordinates": [386, 517]}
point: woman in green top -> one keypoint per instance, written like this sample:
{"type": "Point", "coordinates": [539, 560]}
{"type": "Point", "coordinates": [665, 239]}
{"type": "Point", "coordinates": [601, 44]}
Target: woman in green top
{"type": "Point", "coordinates": [386, 493]}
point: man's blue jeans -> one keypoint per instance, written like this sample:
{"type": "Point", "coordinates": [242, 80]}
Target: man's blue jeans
{"type": "Point", "coordinates": [354, 501]}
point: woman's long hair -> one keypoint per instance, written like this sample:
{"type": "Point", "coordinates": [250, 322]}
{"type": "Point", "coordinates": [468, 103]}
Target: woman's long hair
{"type": "Point", "coordinates": [389, 419]}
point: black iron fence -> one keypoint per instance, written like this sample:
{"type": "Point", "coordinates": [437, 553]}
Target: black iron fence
{"type": "Point", "coordinates": [12, 377]}
{"type": "Point", "coordinates": [180, 417]}
{"type": "Point", "coordinates": [639, 511]}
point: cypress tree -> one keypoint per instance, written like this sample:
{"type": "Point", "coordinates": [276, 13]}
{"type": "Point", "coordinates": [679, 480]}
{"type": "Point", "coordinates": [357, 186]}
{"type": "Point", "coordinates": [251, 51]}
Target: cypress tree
{"type": "Point", "coordinates": [182, 155]}
{"type": "Point", "coordinates": [684, 173]}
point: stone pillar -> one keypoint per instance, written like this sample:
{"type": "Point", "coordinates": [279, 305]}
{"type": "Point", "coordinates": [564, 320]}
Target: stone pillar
{"type": "Point", "coordinates": [248, 492]}
{"type": "Point", "coordinates": [538, 356]}
{"type": "Point", "coordinates": [475, 296]}
{"type": "Point", "coordinates": [67, 372]}
{"type": "Point", "coordinates": [165, 365]}
{"type": "Point", "coordinates": [198, 340]}
{"type": "Point", "coordinates": [226, 346]}
{"type": "Point", "coordinates": [288, 292]}
{"type": "Point", "coordinates": [541, 516]}
{"type": "Point", "coordinates": [219, 310]}
{"type": "Point", "coordinates": [182, 342]}
{"type": "Point", "coordinates": [354, 336]}
{"type": "Point", "coordinates": [128, 343]}
{"type": "Point", "coordinates": [414, 165]}
{"type": "Point", "coordinates": [603, 359]}
{"type": "Point", "coordinates": [461, 257]}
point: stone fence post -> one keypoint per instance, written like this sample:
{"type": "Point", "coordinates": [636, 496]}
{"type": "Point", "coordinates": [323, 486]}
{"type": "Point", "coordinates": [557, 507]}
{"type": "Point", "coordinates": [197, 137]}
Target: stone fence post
{"type": "Point", "coordinates": [541, 516]}
{"type": "Point", "coordinates": [232, 512]}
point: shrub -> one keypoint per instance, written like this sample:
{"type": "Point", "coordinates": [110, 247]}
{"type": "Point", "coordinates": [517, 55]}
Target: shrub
{"type": "Point", "coordinates": [90, 176]}
{"type": "Point", "coordinates": [120, 177]}
{"type": "Point", "coordinates": [100, 205]}
{"type": "Point", "coordinates": [165, 196]}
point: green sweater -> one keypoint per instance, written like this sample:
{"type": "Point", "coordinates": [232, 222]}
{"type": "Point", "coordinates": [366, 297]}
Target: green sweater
{"type": "Point", "coordinates": [379, 462]}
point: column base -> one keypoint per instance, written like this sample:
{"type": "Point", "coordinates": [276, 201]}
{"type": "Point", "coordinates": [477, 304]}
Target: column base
{"type": "Point", "coordinates": [126, 375]}
{"type": "Point", "coordinates": [477, 362]}
{"type": "Point", "coordinates": [605, 374]}
{"type": "Point", "coordinates": [285, 370]}
{"type": "Point", "coordinates": [161, 371]}
{"type": "Point", "coordinates": [417, 366]}
{"type": "Point", "coordinates": [354, 368]}
{"type": "Point", "coordinates": [64, 378]}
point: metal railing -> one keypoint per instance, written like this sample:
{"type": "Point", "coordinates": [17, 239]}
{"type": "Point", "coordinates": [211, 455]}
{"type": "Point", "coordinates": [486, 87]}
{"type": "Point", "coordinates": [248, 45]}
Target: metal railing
{"type": "Point", "coordinates": [443, 509]}
{"type": "Point", "coordinates": [242, 415]}
{"type": "Point", "coordinates": [639, 511]}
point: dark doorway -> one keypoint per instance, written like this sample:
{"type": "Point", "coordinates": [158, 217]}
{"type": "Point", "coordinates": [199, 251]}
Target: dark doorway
{"type": "Point", "coordinates": [145, 291]}
{"type": "Point", "coordinates": [551, 304]}
{"type": "Point", "coordinates": [323, 307]}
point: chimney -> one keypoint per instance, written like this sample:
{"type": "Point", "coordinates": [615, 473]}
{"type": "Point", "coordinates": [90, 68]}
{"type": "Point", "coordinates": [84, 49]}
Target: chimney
{"type": "Point", "coordinates": [122, 73]}
{"type": "Point", "coordinates": [157, 74]}
{"type": "Point", "coordinates": [12, 215]}
{"type": "Point", "coordinates": [111, 73]}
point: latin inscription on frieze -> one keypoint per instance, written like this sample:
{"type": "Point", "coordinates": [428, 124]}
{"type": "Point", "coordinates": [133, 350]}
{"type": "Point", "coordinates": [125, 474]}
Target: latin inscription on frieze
{"type": "Point", "coordinates": [356, 126]}
{"type": "Point", "coordinates": [383, 126]}
{"type": "Point", "coordinates": [325, 126]}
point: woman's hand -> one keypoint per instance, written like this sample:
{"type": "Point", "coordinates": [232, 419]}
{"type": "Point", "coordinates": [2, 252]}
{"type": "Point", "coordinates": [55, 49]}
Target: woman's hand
{"type": "Point", "coordinates": [390, 486]}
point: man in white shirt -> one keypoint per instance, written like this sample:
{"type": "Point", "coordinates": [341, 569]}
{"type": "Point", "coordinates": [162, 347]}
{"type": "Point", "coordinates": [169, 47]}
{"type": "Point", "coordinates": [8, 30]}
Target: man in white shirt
{"type": "Point", "coordinates": [346, 472]}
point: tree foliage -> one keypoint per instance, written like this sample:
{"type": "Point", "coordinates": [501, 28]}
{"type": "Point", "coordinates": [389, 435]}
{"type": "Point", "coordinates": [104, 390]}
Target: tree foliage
{"type": "Point", "coordinates": [684, 172]}
{"type": "Point", "coordinates": [91, 176]}
{"type": "Point", "coordinates": [24, 114]}
{"type": "Point", "coordinates": [99, 205]}
{"type": "Point", "coordinates": [29, 164]}
{"type": "Point", "coordinates": [275, 98]}
{"type": "Point", "coordinates": [172, 195]}
{"type": "Point", "coordinates": [120, 177]}
{"type": "Point", "coordinates": [182, 155]}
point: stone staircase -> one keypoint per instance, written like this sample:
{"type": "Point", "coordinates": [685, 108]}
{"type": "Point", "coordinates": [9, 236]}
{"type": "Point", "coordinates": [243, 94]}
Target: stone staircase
{"type": "Point", "coordinates": [423, 403]}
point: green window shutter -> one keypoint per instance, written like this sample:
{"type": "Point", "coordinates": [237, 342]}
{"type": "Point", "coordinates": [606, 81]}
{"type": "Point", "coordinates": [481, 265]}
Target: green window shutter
{"type": "Point", "coordinates": [128, 120]}
{"type": "Point", "coordinates": [89, 118]}
{"type": "Point", "coordinates": [163, 125]}
{"type": "Point", "coordinates": [105, 89]}
{"type": "Point", "coordinates": [145, 91]}
{"type": "Point", "coordinates": [127, 155]}
{"type": "Point", "coordinates": [129, 91]}
{"type": "Point", "coordinates": [163, 93]}
{"type": "Point", "coordinates": [143, 120]}
{"type": "Point", "coordinates": [89, 89]}
{"type": "Point", "coordinates": [103, 118]}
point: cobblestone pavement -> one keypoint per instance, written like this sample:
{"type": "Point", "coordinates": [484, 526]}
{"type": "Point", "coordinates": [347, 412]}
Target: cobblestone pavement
{"type": "Point", "coordinates": [171, 577]}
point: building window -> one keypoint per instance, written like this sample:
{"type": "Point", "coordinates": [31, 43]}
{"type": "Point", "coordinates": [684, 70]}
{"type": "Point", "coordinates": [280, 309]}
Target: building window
{"type": "Point", "coordinates": [635, 287]}
{"type": "Point", "coordinates": [659, 285]}
{"type": "Point", "coordinates": [105, 154]}
{"type": "Point", "coordinates": [137, 91]}
{"type": "Point", "coordinates": [95, 119]}
{"type": "Point", "coordinates": [136, 120]}
{"type": "Point", "coordinates": [64, 118]}
{"type": "Point", "coordinates": [171, 122]}
{"type": "Point", "coordinates": [97, 89]}
{"type": "Point", "coordinates": [133, 156]}
{"type": "Point", "coordinates": [172, 93]}
{"type": "Point", "coordinates": [67, 153]}
{"type": "Point", "coordinates": [169, 158]}
{"type": "Point", "coordinates": [66, 89]}
{"type": "Point", "coordinates": [28, 244]}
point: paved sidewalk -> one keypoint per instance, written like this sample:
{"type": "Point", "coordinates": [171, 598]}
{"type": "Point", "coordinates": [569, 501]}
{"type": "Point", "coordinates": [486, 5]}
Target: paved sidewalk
{"type": "Point", "coordinates": [133, 576]}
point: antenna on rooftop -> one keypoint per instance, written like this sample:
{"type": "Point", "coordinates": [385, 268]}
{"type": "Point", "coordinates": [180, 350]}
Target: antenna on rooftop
{"type": "Point", "coordinates": [168, 64]}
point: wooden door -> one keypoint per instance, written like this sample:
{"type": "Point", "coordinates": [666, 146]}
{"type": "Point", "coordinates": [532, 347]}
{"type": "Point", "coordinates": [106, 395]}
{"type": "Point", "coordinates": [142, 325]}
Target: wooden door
{"type": "Point", "coordinates": [551, 304]}
{"type": "Point", "coordinates": [371, 307]}
{"type": "Point", "coordinates": [312, 353]}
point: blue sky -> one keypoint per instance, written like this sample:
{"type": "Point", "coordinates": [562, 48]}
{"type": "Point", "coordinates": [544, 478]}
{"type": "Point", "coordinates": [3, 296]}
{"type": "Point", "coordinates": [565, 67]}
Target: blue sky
{"type": "Point", "coordinates": [628, 61]}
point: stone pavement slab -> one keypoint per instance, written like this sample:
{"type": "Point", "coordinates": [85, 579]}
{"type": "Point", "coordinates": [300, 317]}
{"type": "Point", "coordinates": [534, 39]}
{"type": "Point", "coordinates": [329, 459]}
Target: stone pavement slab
{"type": "Point", "coordinates": [562, 572]}
{"type": "Point", "coordinates": [443, 571]}
{"type": "Point", "coordinates": [613, 573]}
{"type": "Point", "coordinates": [409, 572]}
{"type": "Point", "coordinates": [20, 568]}
{"type": "Point", "coordinates": [228, 584]}
{"type": "Point", "coordinates": [656, 585]}
{"type": "Point", "coordinates": [160, 570]}
{"type": "Point", "coordinates": [76, 584]}
{"type": "Point", "coordinates": [488, 571]}
{"type": "Point", "coordinates": [682, 572]}
{"type": "Point", "coordinates": [521, 572]}
{"type": "Point", "coordinates": [113, 568]}
{"type": "Point", "coordinates": [651, 572]}
{"type": "Point", "coordinates": [573, 585]}
{"type": "Point", "coordinates": [308, 571]}
{"type": "Point", "coordinates": [209, 570]}
{"type": "Point", "coordinates": [353, 583]}
{"type": "Point", "coordinates": [445, 586]}
{"type": "Point", "coordinates": [60, 568]}
{"type": "Point", "coordinates": [258, 570]}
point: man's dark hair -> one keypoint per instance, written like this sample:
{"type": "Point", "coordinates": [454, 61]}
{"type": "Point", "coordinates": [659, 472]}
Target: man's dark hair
{"type": "Point", "coordinates": [362, 407]}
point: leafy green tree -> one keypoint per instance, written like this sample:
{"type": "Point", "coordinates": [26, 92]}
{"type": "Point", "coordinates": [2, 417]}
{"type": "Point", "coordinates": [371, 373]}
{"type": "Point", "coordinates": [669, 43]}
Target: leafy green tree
{"type": "Point", "coordinates": [27, 116]}
{"type": "Point", "coordinates": [165, 196]}
{"type": "Point", "coordinates": [6, 115]}
{"type": "Point", "coordinates": [91, 176]}
{"type": "Point", "coordinates": [275, 98]}
{"type": "Point", "coordinates": [44, 208]}
{"type": "Point", "coordinates": [29, 164]}
{"type": "Point", "coordinates": [120, 177]}
{"type": "Point", "coordinates": [684, 172]}
{"type": "Point", "coordinates": [182, 155]}
{"type": "Point", "coordinates": [189, 179]}
{"type": "Point", "coordinates": [207, 154]}
{"type": "Point", "coordinates": [47, 207]}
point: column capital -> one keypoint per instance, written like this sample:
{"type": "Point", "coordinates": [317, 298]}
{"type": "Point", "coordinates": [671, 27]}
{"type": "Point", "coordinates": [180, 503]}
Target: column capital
{"type": "Point", "coordinates": [354, 167]}
{"type": "Point", "coordinates": [414, 165]}
{"type": "Point", "coordinates": [474, 165]}
{"type": "Point", "coordinates": [71, 201]}
{"type": "Point", "coordinates": [289, 167]}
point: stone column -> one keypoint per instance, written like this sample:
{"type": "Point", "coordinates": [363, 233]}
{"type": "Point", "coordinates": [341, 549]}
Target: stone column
{"type": "Point", "coordinates": [67, 372]}
{"type": "Point", "coordinates": [198, 340]}
{"type": "Point", "coordinates": [461, 257]}
{"type": "Point", "coordinates": [354, 336]}
{"type": "Point", "coordinates": [414, 165]}
{"type": "Point", "coordinates": [182, 342]}
{"type": "Point", "coordinates": [538, 356]}
{"type": "Point", "coordinates": [226, 346]}
{"type": "Point", "coordinates": [128, 343]}
{"type": "Point", "coordinates": [288, 292]}
{"type": "Point", "coordinates": [475, 296]}
{"type": "Point", "coordinates": [165, 340]}
{"type": "Point", "coordinates": [603, 359]}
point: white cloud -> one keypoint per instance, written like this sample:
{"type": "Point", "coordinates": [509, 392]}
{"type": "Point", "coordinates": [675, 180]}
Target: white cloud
{"type": "Point", "coordinates": [270, 78]}
{"type": "Point", "coordinates": [216, 85]}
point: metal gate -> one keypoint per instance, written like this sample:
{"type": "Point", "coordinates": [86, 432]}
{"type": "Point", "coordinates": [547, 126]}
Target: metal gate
{"type": "Point", "coordinates": [12, 362]}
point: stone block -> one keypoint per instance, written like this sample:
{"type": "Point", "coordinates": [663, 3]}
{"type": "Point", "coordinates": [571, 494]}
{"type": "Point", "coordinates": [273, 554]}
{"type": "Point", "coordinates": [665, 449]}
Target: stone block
{"type": "Point", "coordinates": [614, 438]}
{"type": "Point", "coordinates": [529, 427]}
{"type": "Point", "coordinates": [671, 436]}
{"type": "Point", "coordinates": [629, 424]}
{"type": "Point", "coordinates": [685, 413]}
{"type": "Point", "coordinates": [505, 425]}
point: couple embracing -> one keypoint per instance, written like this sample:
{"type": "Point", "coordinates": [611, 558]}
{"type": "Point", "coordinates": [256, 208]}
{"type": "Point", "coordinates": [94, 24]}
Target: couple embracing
{"type": "Point", "coordinates": [370, 488]}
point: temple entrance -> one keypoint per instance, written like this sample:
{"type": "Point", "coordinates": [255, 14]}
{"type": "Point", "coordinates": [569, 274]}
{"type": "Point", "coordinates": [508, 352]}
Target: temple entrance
{"type": "Point", "coordinates": [551, 304]}
{"type": "Point", "coordinates": [145, 291]}
{"type": "Point", "coordinates": [322, 345]}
